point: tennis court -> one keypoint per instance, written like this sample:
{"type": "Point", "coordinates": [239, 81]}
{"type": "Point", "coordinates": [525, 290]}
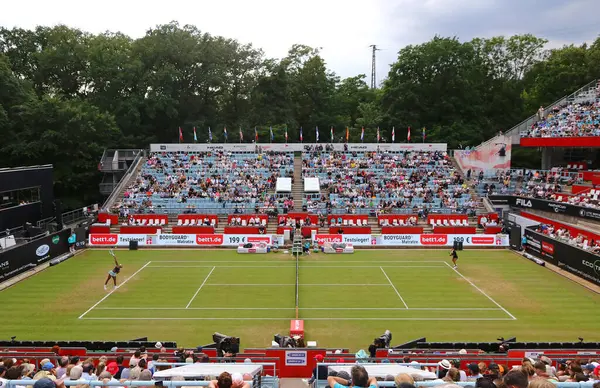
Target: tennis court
{"type": "Point", "coordinates": [345, 300]}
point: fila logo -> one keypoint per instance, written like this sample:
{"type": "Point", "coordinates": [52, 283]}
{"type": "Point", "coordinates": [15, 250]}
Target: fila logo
{"type": "Point", "coordinates": [524, 202]}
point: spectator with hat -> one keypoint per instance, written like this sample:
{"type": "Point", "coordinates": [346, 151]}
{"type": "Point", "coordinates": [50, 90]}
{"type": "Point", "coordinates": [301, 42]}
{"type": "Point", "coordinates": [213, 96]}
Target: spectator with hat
{"type": "Point", "coordinates": [474, 372]}
{"type": "Point", "coordinates": [47, 371]}
{"type": "Point", "coordinates": [444, 366]}
{"type": "Point", "coordinates": [320, 371]}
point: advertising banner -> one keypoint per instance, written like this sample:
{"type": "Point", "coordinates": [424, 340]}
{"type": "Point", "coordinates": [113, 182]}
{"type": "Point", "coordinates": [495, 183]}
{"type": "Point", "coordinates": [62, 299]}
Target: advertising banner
{"type": "Point", "coordinates": [582, 263]}
{"type": "Point", "coordinates": [354, 239]}
{"type": "Point", "coordinates": [424, 240]}
{"type": "Point", "coordinates": [22, 258]}
{"type": "Point", "coordinates": [189, 240]}
{"type": "Point", "coordinates": [556, 207]}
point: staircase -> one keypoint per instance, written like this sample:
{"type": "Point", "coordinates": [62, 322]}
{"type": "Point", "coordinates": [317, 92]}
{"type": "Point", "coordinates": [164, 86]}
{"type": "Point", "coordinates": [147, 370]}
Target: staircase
{"type": "Point", "coordinates": [297, 183]}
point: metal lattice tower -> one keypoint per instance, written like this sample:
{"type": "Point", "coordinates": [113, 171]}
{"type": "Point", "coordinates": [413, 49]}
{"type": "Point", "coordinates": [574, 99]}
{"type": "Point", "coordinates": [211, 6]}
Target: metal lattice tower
{"type": "Point", "coordinates": [373, 67]}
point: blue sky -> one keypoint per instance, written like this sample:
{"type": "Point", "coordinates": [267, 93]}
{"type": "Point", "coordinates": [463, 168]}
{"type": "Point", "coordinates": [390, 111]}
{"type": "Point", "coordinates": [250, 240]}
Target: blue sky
{"type": "Point", "coordinates": [342, 28]}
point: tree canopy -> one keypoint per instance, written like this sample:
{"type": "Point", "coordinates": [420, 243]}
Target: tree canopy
{"type": "Point", "coordinates": [66, 94]}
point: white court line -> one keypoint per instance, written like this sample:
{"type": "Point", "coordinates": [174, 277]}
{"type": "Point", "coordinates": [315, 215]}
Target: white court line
{"type": "Point", "coordinates": [480, 290]}
{"type": "Point", "coordinates": [113, 290]}
{"type": "Point", "coordinates": [305, 319]}
{"type": "Point", "coordinates": [394, 287]}
{"type": "Point", "coordinates": [308, 261]}
{"type": "Point", "coordinates": [293, 266]}
{"type": "Point", "coordinates": [304, 308]}
{"type": "Point", "coordinates": [199, 288]}
{"type": "Point", "coordinates": [293, 284]}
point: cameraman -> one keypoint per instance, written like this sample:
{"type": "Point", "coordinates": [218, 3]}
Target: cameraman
{"type": "Point", "coordinates": [360, 379]}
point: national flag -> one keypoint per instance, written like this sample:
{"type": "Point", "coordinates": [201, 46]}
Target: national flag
{"type": "Point", "coordinates": [301, 138]}
{"type": "Point", "coordinates": [210, 135]}
{"type": "Point", "coordinates": [286, 137]}
{"type": "Point", "coordinates": [347, 134]}
{"type": "Point", "coordinates": [362, 134]}
{"type": "Point", "coordinates": [331, 131]}
{"type": "Point", "coordinates": [317, 133]}
{"type": "Point", "coordinates": [195, 137]}
{"type": "Point", "coordinates": [241, 135]}
{"type": "Point", "coordinates": [255, 135]}
{"type": "Point", "coordinates": [408, 135]}
{"type": "Point", "coordinates": [180, 135]}
{"type": "Point", "coordinates": [271, 130]}
{"type": "Point", "coordinates": [393, 134]}
{"type": "Point", "coordinates": [225, 132]}
{"type": "Point", "coordinates": [424, 135]}
{"type": "Point", "coordinates": [378, 137]}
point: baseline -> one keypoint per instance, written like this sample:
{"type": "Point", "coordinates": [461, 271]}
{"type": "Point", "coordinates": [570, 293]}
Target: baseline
{"type": "Point", "coordinates": [287, 319]}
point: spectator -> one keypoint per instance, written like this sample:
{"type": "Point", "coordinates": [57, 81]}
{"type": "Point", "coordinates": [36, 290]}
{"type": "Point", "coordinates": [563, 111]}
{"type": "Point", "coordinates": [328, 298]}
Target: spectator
{"type": "Point", "coordinates": [3, 381]}
{"type": "Point", "coordinates": [444, 366]}
{"type": "Point", "coordinates": [452, 376]}
{"type": "Point", "coordinates": [61, 371]}
{"type": "Point", "coordinates": [225, 380]}
{"type": "Point", "coordinates": [88, 371]}
{"type": "Point", "coordinates": [474, 372]}
{"type": "Point", "coordinates": [485, 383]}
{"type": "Point", "coordinates": [76, 372]}
{"type": "Point", "coordinates": [319, 372]}
{"type": "Point", "coordinates": [28, 371]}
{"type": "Point", "coordinates": [126, 373]}
{"type": "Point", "coordinates": [404, 378]}
{"type": "Point", "coordinates": [121, 367]}
{"type": "Point", "coordinates": [155, 357]}
{"type": "Point", "coordinates": [137, 355]}
{"type": "Point", "coordinates": [113, 369]}
{"type": "Point", "coordinates": [360, 378]}
{"type": "Point", "coordinates": [462, 373]}
{"type": "Point", "coordinates": [541, 372]}
{"type": "Point", "coordinates": [515, 379]}
{"type": "Point", "coordinates": [46, 372]}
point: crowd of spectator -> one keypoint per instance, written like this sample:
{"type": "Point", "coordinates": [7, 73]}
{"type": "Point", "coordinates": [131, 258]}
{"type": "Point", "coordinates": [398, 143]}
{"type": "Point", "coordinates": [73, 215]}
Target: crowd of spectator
{"type": "Point", "coordinates": [563, 234]}
{"type": "Point", "coordinates": [385, 181]}
{"type": "Point", "coordinates": [579, 119]}
{"type": "Point", "coordinates": [220, 177]}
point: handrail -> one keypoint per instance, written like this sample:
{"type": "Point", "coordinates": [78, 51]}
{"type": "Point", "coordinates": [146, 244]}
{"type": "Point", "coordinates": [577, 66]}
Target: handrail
{"type": "Point", "coordinates": [124, 179]}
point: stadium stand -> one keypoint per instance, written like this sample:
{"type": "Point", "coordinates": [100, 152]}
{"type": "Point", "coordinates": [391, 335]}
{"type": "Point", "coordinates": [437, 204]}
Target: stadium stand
{"type": "Point", "coordinates": [206, 182]}
{"type": "Point", "coordinates": [386, 182]}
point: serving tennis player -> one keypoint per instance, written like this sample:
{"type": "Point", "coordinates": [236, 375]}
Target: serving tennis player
{"type": "Point", "coordinates": [113, 272]}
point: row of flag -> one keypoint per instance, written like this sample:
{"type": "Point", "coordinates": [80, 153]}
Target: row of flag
{"type": "Point", "coordinates": [331, 132]}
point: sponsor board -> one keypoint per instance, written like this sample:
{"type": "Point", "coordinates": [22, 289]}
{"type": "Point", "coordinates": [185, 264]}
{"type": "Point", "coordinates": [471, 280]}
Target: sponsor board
{"type": "Point", "coordinates": [296, 147]}
{"type": "Point", "coordinates": [296, 358]}
{"type": "Point", "coordinates": [432, 240]}
{"type": "Point", "coordinates": [190, 240]}
{"type": "Point", "coordinates": [354, 239]}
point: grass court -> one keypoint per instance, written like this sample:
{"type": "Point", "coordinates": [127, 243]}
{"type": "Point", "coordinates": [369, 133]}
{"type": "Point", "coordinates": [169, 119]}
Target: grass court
{"type": "Point", "coordinates": [345, 300]}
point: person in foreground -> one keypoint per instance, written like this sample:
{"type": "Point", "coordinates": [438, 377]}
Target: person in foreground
{"type": "Point", "coordinates": [360, 378]}
{"type": "Point", "coordinates": [114, 272]}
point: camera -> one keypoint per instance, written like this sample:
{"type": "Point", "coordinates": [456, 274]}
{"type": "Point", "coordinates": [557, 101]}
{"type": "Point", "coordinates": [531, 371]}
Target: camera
{"type": "Point", "coordinates": [381, 342]}
{"type": "Point", "coordinates": [285, 341]}
{"type": "Point", "coordinates": [226, 344]}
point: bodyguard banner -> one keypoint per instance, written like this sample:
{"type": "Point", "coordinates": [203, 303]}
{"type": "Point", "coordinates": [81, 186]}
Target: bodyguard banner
{"type": "Point", "coordinates": [582, 263]}
{"type": "Point", "coordinates": [556, 207]}
{"type": "Point", "coordinates": [15, 261]}
{"type": "Point", "coordinates": [432, 240]}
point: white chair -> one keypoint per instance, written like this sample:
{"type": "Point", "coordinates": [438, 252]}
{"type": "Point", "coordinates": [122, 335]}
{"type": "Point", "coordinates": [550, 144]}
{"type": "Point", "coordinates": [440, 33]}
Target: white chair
{"type": "Point", "coordinates": [187, 222]}
{"type": "Point", "coordinates": [179, 222]}
{"type": "Point", "coordinates": [395, 222]}
{"type": "Point", "coordinates": [351, 222]}
{"type": "Point", "coordinates": [213, 222]}
{"type": "Point", "coordinates": [150, 222]}
{"type": "Point", "coordinates": [264, 222]}
{"type": "Point", "coordinates": [438, 222]}
{"type": "Point", "coordinates": [345, 222]}
{"type": "Point", "coordinates": [452, 222]}
{"type": "Point", "coordinates": [366, 221]}
{"type": "Point", "coordinates": [157, 221]}
{"type": "Point", "coordinates": [244, 223]}
{"type": "Point", "coordinates": [432, 222]}
{"type": "Point", "coordinates": [465, 222]}
{"type": "Point", "coordinates": [381, 222]}
{"type": "Point", "coordinates": [359, 222]}
{"type": "Point", "coordinates": [144, 221]}
{"type": "Point", "coordinates": [446, 222]}
{"type": "Point", "coordinates": [108, 222]}
{"type": "Point", "coordinates": [164, 221]}
{"type": "Point", "coordinates": [193, 221]}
